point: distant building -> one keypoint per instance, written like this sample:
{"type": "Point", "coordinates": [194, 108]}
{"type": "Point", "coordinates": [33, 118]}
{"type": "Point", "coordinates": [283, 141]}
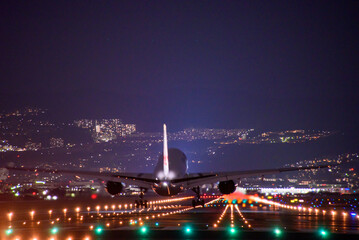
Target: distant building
{"type": "Point", "coordinates": [84, 123]}
{"type": "Point", "coordinates": [126, 129]}
{"type": "Point", "coordinates": [56, 142]}
{"type": "Point", "coordinates": [105, 130]}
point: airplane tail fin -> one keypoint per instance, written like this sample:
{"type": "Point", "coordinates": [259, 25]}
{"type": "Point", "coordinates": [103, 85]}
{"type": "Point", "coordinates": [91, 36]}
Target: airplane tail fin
{"type": "Point", "coordinates": [165, 152]}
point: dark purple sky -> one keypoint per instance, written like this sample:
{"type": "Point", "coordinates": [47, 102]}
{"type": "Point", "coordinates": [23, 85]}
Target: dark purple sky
{"type": "Point", "coordinates": [260, 64]}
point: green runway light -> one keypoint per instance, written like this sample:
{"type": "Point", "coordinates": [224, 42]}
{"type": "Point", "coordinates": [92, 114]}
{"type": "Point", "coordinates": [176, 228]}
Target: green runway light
{"type": "Point", "coordinates": [232, 230]}
{"type": "Point", "coordinates": [277, 231]}
{"type": "Point", "coordinates": [188, 230]}
{"type": "Point", "coordinates": [323, 233]}
{"type": "Point", "coordinates": [98, 230]}
{"type": "Point", "coordinates": [8, 231]}
{"type": "Point", "coordinates": [157, 224]}
{"type": "Point", "coordinates": [143, 229]}
{"type": "Point", "coordinates": [54, 230]}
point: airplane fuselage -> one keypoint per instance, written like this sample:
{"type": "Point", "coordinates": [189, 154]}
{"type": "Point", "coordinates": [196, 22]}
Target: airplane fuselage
{"type": "Point", "coordinates": [178, 165]}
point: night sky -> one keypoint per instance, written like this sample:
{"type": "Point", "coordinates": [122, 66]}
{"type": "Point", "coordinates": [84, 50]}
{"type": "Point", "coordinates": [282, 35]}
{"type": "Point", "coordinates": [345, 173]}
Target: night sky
{"type": "Point", "coordinates": [227, 64]}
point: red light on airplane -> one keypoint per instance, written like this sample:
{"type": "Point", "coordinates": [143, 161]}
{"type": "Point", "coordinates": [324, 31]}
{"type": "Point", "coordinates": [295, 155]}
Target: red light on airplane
{"type": "Point", "coordinates": [93, 196]}
{"type": "Point", "coordinates": [33, 193]}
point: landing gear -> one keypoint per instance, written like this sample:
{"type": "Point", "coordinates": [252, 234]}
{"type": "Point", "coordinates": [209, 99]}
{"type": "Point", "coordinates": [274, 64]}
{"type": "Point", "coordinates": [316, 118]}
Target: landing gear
{"type": "Point", "coordinates": [141, 203]}
{"type": "Point", "coordinates": [197, 201]}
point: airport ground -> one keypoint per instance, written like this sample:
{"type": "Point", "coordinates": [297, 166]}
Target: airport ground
{"type": "Point", "coordinates": [169, 218]}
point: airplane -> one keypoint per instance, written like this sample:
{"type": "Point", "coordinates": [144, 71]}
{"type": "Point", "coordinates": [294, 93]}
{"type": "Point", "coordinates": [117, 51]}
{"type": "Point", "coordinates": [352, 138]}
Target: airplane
{"type": "Point", "coordinates": [170, 176]}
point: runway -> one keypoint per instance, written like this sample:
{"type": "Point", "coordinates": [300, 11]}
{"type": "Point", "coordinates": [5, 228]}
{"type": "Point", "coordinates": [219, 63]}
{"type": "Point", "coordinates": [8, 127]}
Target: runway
{"type": "Point", "coordinates": [169, 218]}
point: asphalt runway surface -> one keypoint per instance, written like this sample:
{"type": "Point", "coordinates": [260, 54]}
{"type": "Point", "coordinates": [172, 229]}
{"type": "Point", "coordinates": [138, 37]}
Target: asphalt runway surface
{"type": "Point", "coordinates": [168, 218]}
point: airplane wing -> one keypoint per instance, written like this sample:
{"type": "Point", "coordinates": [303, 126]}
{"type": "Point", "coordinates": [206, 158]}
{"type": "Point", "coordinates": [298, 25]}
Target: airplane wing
{"type": "Point", "coordinates": [193, 180]}
{"type": "Point", "coordinates": [144, 180]}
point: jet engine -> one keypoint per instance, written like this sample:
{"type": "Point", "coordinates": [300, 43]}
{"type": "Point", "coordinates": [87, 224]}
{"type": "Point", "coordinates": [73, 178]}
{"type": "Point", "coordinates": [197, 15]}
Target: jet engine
{"type": "Point", "coordinates": [114, 188]}
{"type": "Point", "coordinates": [227, 187]}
